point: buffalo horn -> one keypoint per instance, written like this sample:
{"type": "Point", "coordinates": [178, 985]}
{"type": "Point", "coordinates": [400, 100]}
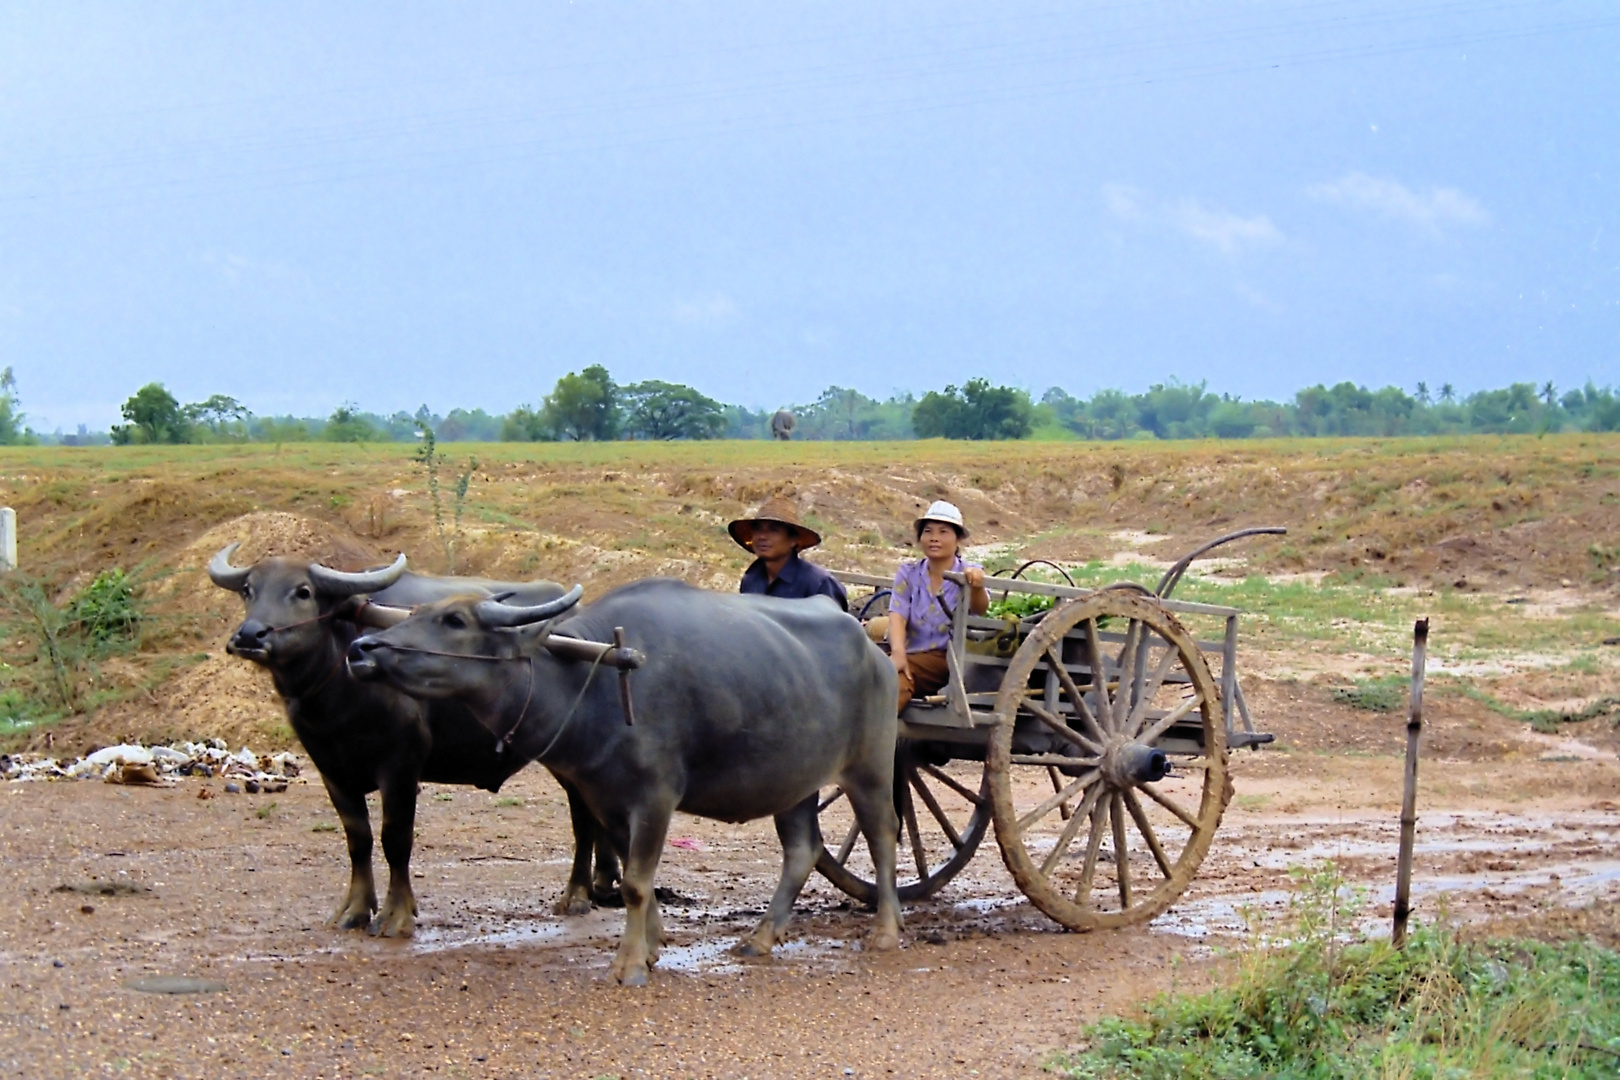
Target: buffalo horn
{"type": "Point", "coordinates": [492, 614]}
{"type": "Point", "coordinates": [381, 616]}
{"type": "Point", "coordinates": [223, 573]}
{"type": "Point", "coordinates": [337, 583]}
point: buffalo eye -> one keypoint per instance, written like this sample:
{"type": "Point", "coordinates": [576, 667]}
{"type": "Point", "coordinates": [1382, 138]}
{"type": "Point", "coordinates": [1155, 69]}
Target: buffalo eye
{"type": "Point", "coordinates": [455, 621]}
{"type": "Point", "coordinates": [247, 592]}
{"type": "Point", "coordinates": [303, 592]}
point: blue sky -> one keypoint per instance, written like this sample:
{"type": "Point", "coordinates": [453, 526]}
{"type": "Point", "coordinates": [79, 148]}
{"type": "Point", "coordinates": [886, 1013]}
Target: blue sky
{"type": "Point", "coordinates": [301, 204]}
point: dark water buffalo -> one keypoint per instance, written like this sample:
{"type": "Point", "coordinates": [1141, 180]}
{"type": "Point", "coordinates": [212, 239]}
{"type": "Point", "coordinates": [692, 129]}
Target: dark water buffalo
{"type": "Point", "coordinates": [744, 706]}
{"type": "Point", "coordinates": [370, 737]}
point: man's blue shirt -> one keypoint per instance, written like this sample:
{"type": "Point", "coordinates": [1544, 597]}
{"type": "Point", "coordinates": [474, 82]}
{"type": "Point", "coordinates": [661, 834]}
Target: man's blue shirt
{"type": "Point", "coordinates": [798, 579]}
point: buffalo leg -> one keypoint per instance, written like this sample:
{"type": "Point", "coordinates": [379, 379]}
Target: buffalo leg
{"type": "Point", "coordinates": [354, 911]}
{"type": "Point", "coordinates": [398, 915]}
{"type": "Point", "coordinates": [641, 918]}
{"type": "Point", "coordinates": [873, 802]}
{"type": "Point", "coordinates": [605, 878]}
{"type": "Point", "coordinates": [801, 845]}
{"type": "Point", "coordinates": [576, 898]}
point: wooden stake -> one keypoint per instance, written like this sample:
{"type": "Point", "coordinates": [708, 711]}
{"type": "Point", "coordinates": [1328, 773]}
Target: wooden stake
{"type": "Point", "coordinates": [1414, 728]}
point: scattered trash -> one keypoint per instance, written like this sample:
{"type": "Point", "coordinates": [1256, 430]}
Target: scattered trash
{"type": "Point", "coordinates": [233, 788]}
{"type": "Point", "coordinates": [686, 843]}
{"type": "Point", "coordinates": [174, 984]}
{"type": "Point", "coordinates": [156, 766]}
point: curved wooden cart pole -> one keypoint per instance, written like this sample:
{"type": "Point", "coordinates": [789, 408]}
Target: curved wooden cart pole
{"type": "Point", "coordinates": [1414, 729]}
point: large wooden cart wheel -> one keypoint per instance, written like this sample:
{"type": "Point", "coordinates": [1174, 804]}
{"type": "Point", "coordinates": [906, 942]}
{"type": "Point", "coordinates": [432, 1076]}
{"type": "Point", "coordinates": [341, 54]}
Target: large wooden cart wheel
{"type": "Point", "coordinates": [1094, 830]}
{"type": "Point", "coordinates": [943, 815]}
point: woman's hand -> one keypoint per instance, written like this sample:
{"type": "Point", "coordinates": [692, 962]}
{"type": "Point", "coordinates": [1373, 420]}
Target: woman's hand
{"type": "Point", "coordinates": [900, 665]}
{"type": "Point", "coordinates": [975, 577]}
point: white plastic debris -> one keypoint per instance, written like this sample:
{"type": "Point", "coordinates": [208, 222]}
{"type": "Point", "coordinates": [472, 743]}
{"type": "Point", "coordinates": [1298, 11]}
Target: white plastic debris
{"type": "Point", "coordinates": [132, 763]}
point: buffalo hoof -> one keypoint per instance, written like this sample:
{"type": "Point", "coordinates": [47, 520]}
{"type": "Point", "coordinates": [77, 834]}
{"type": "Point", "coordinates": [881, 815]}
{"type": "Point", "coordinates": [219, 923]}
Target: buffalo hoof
{"type": "Point", "coordinates": [395, 924]}
{"type": "Point", "coordinates": [635, 978]}
{"type": "Point", "coordinates": [882, 941]}
{"type": "Point", "coordinates": [628, 975]}
{"type": "Point", "coordinates": [350, 919]}
{"type": "Point", "coordinates": [751, 948]}
{"type": "Point", "coordinates": [573, 904]}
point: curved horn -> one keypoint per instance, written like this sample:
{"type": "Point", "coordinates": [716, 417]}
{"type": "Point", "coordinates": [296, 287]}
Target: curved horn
{"type": "Point", "coordinates": [223, 573]}
{"type": "Point", "coordinates": [494, 615]}
{"type": "Point", "coordinates": [337, 583]}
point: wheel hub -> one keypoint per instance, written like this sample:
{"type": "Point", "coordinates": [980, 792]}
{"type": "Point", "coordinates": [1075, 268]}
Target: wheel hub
{"type": "Point", "coordinates": [1127, 764]}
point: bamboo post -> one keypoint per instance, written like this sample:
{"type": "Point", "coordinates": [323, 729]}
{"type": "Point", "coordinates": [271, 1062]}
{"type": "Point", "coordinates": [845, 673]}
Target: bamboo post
{"type": "Point", "coordinates": [1414, 729]}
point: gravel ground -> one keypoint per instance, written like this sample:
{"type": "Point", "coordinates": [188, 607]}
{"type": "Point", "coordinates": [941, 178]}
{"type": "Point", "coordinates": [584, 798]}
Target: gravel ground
{"type": "Point", "coordinates": [108, 885]}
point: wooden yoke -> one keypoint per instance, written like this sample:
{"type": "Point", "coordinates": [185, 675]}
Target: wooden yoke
{"type": "Point", "coordinates": [618, 656]}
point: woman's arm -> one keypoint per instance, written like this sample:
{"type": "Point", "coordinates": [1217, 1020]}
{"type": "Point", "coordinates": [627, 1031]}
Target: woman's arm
{"type": "Point", "coordinates": [978, 597]}
{"type": "Point", "coordinates": [897, 641]}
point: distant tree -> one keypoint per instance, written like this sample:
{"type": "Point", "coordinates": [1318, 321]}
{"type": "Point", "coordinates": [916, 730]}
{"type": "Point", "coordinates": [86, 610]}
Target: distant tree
{"type": "Point", "coordinates": [154, 417]}
{"type": "Point", "coordinates": [1447, 394]}
{"type": "Point", "coordinates": [526, 424]}
{"type": "Point", "coordinates": [11, 417]}
{"type": "Point", "coordinates": [1549, 392]}
{"type": "Point", "coordinates": [976, 411]}
{"type": "Point", "coordinates": [1423, 394]}
{"type": "Point", "coordinates": [660, 410]}
{"type": "Point", "coordinates": [464, 426]}
{"type": "Point", "coordinates": [584, 405]}
{"type": "Point", "coordinates": [346, 424]}
{"type": "Point", "coordinates": [221, 416]}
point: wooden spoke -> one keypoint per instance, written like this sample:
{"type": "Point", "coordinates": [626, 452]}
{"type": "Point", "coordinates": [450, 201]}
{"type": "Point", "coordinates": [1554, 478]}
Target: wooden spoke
{"type": "Point", "coordinates": [950, 782]}
{"type": "Point", "coordinates": [1122, 858]}
{"type": "Point", "coordinates": [1055, 760]}
{"type": "Point", "coordinates": [1056, 777]}
{"type": "Point", "coordinates": [1168, 720]}
{"type": "Point", "coordinates": [1066, 837]}
{"type": "Point", "coordinates": [1082, 711]}
{"type": "Point", "coordinates": [933, 808]}
{"type": "Point", "coordinates": [1082, 892]}
{"type": "Point", "coordinates": [1174, 807]}
{"type": "Point", "coordinates": [838, 793]}
{"type": "Point", "coordinates": [1068, 792]}
{"type": "Point", "coordinates": [1127, 673]}
{"type": "Point", "coordinates": [849, 843]}
{"type": "Point", "coordinates": [1056, 723]}
{"type": "Point", "coordinates": [1146, 829]}
{"type": "Point", "coordinates": [1150, 690]}
{"type": "Point", "coordinates": [909, 812]}
{"type": "Point", "coordinates": [1099, 675]}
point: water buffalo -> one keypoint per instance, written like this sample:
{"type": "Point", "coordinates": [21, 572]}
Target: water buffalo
{"type": "Point", "coordinates": [366, 737]}
{"type": "Point", "coordinates": [744, 707]}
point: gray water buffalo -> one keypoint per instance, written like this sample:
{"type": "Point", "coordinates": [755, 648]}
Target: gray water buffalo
{"type": "Point", "coordinates": [365, 737]}
{"type": "Point", "coordinates": [744, 707]}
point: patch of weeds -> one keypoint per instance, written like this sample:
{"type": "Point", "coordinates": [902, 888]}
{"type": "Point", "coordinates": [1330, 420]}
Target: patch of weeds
{"type": "Point", "coordinates": [108, 609]}
{"type": "Point", "coordinates": [1315, 999]}
{"type": "Point", "coordinates": [1374, 695]}
{"type": "Point", "coordinates": [263, 813]}
{"type": "Point", "coordinates": [443, 796]}
{"type": "Point", "coordinates": [323, 826]}
{"type": "Point", "coordinates": [1546, 721]}
{"type": "Point", "coordinates": [508, 800]}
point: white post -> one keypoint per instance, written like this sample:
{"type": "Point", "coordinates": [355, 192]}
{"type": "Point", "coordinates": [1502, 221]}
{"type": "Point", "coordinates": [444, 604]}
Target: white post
{"type": "Point", "coordinates": [8, 538]}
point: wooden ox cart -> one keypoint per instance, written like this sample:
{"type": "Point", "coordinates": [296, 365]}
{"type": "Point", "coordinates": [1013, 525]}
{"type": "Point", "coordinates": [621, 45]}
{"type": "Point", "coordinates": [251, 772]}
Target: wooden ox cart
{"type": "Point", "coordinates": [1103, 734]}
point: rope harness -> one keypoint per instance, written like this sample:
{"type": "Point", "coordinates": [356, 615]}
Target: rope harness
{"type": "Point", "coordinates": [504, 740]}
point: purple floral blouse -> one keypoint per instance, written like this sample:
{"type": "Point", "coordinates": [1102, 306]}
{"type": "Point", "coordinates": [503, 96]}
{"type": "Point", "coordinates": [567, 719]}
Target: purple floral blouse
{"type": "Point", "coordinates": [927, 625]}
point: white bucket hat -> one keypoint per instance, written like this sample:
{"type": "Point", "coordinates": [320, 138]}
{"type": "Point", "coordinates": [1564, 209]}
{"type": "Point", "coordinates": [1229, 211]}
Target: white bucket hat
{"type": "Point", "coordinates": [942, 511]}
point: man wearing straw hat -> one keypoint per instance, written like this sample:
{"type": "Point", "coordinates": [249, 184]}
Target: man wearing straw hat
{"type": "Point", "coordinates": [775, 535]}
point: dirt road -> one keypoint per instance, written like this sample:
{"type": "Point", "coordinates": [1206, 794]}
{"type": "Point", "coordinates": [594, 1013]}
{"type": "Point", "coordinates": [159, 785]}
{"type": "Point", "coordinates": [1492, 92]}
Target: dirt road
{"type": "Point", "coordinates": [106, 886]}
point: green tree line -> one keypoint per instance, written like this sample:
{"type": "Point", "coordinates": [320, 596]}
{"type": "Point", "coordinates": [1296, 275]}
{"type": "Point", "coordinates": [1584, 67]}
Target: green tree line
{"type": "Point", "coordinates": [589, 405]}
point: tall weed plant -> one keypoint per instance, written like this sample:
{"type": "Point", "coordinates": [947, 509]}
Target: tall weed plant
{"type": "Point", "coordinates": [66, 638]}
{"type": "Point", "coordinates": [1314, 999]}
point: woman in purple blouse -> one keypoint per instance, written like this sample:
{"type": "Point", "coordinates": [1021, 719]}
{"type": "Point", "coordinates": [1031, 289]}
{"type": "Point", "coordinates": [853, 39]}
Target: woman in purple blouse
{"type": "Point", "coordinates": [923, 603]}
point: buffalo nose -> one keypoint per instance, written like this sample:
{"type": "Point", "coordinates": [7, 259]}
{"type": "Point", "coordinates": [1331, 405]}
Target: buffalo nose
{"type": "Point", "coordinates": [250, 635]}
